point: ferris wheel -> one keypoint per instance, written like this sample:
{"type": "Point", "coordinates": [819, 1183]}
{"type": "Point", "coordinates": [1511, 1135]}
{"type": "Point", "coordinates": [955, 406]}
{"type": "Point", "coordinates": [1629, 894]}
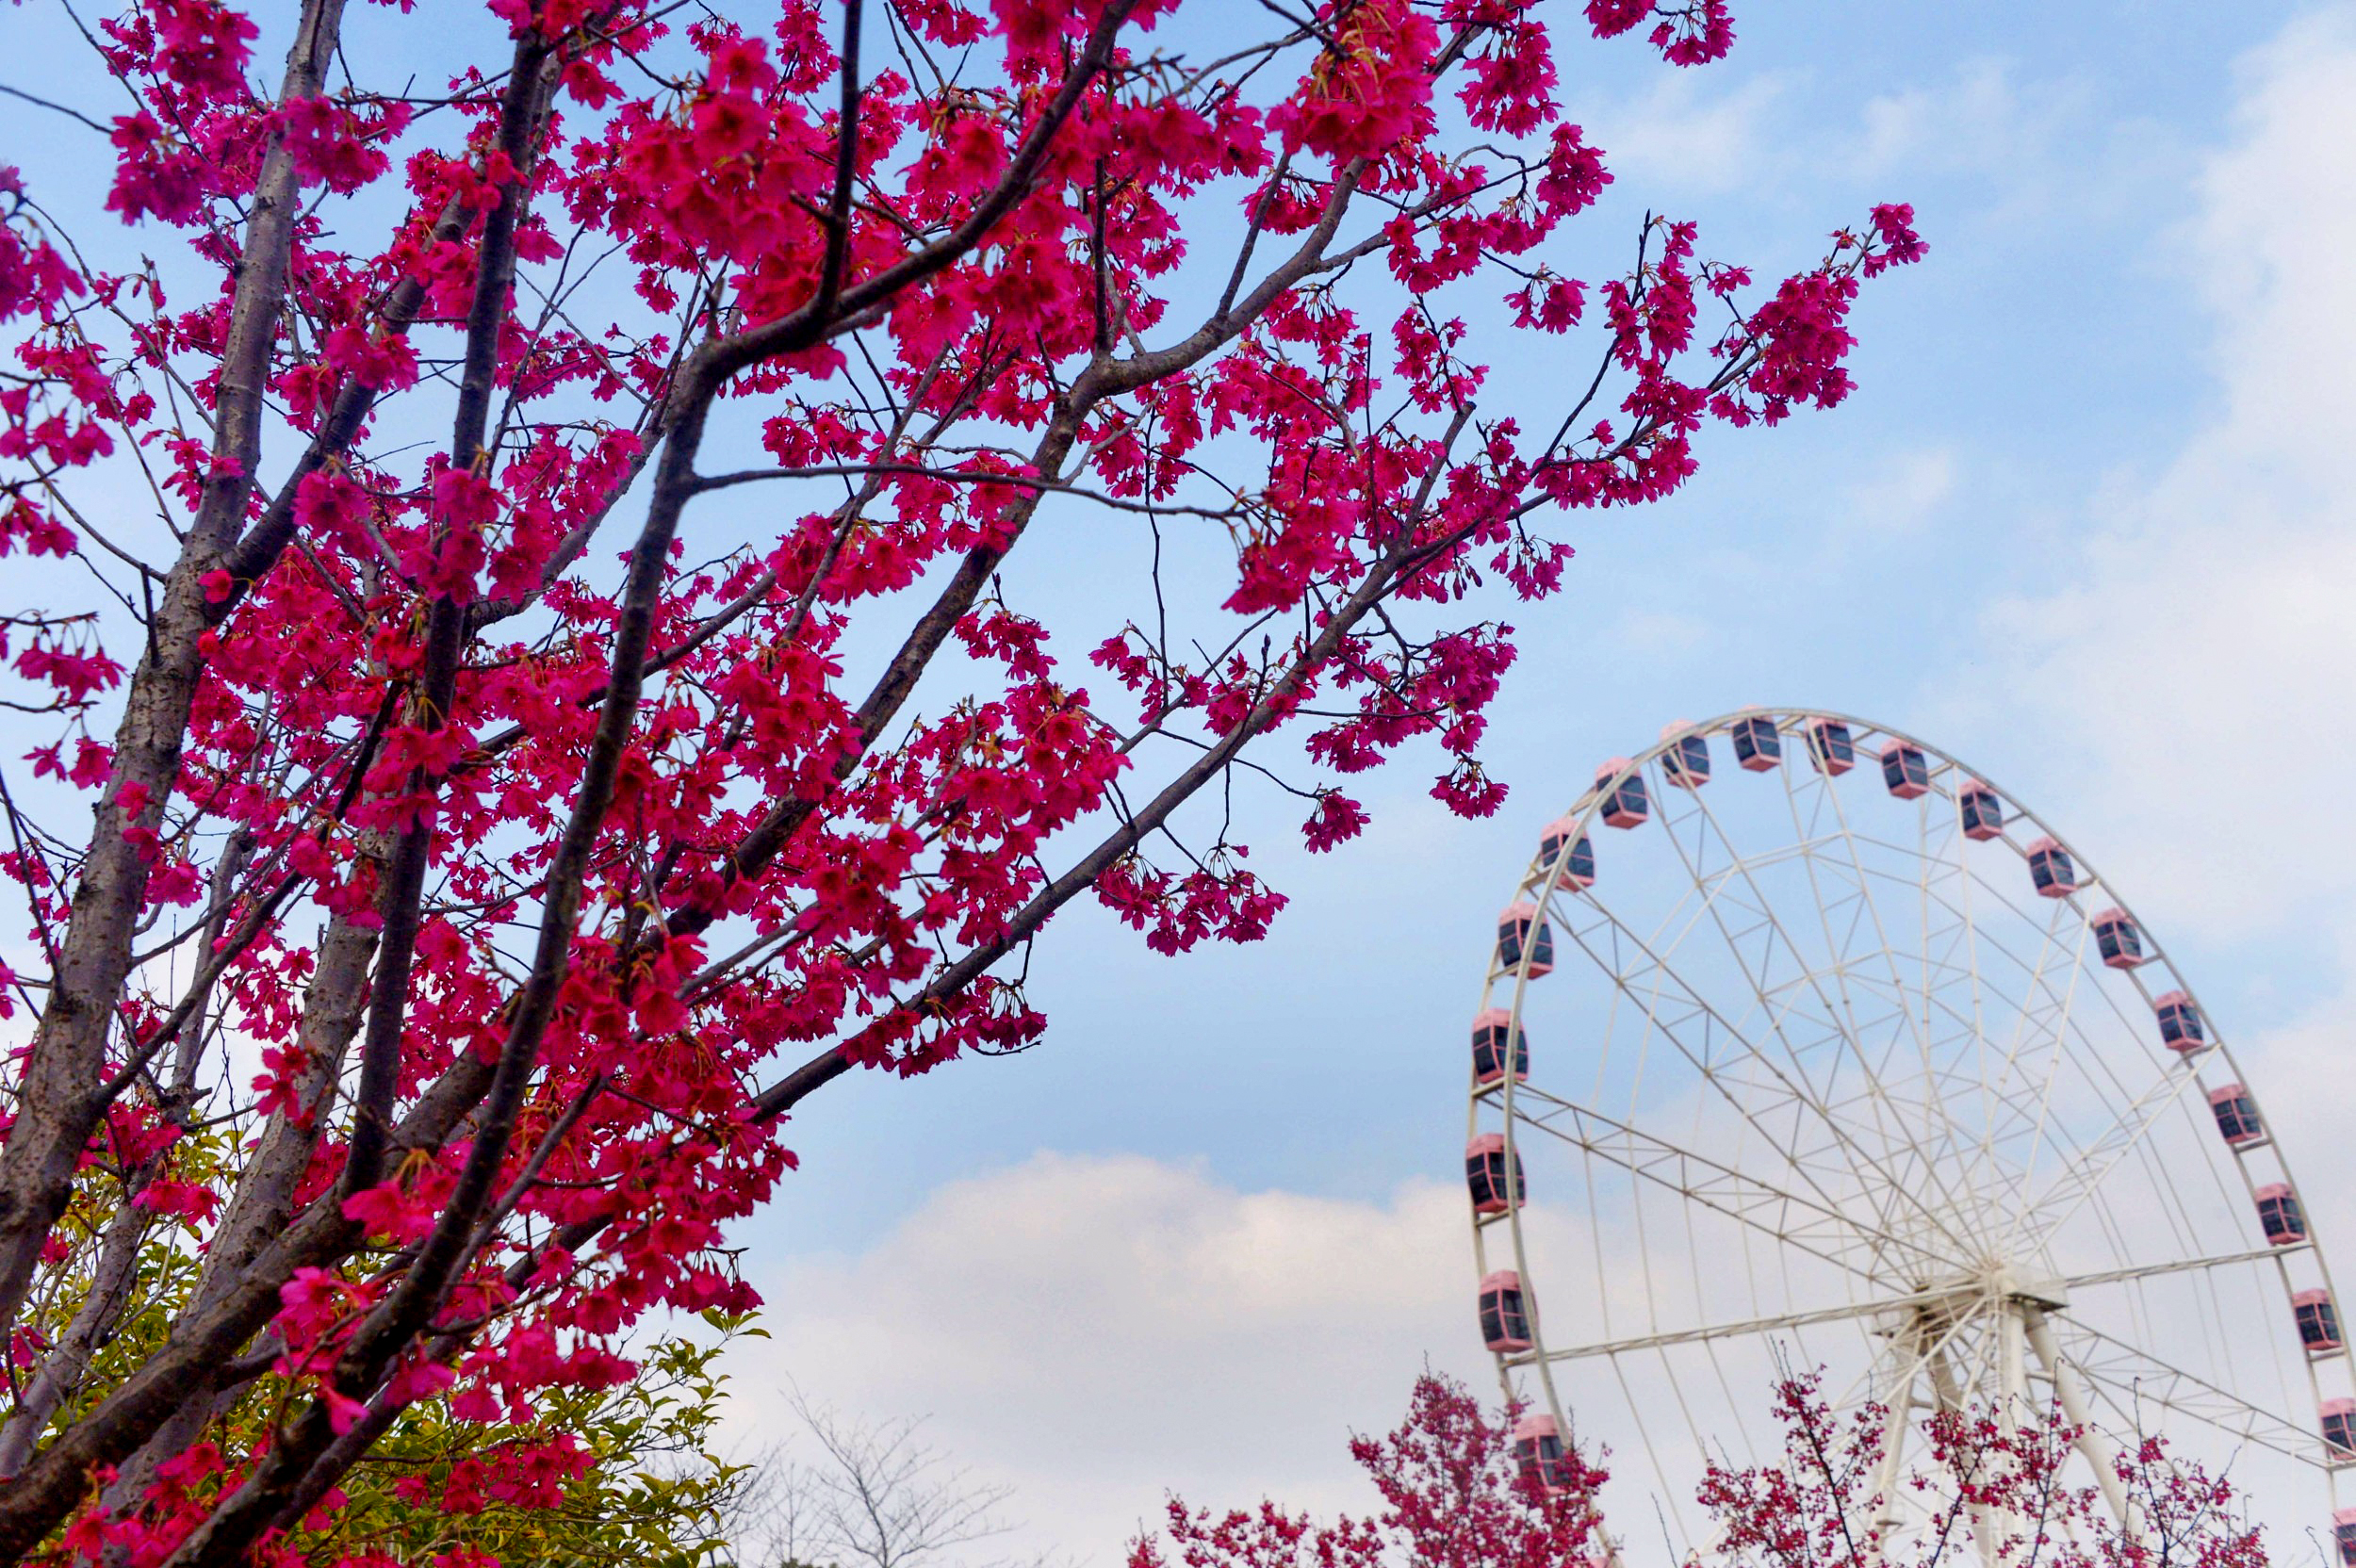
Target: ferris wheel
{"type": "Point", "coordinates": [1849, 1061]}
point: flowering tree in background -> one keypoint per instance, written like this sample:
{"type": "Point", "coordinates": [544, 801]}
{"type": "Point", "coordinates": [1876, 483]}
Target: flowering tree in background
{"type": "Point", "coordinates": [1454, 1495]}
{"type": "Point", "coordinates": [1459, 1492]}
{"type": "Point", "coordinates": [1994, 1491]}
{"type": "Point", "coordinates": [537, 690]}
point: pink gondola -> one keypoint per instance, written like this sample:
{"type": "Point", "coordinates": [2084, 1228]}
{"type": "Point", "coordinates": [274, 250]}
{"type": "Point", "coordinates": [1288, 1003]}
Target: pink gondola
{"type": "Point", "coordinates": [2344, 1533]}
{"type": "Point", "coordinates": [1830, 746]}
{"type": "Point", "coordinates": [1580, 870]}
{"type": "Point", "coordinates": [1504, 1322]}
{"type": "Point", "coordinates": [2121, 944]}
{"type": "Point", "coordinates": [1484, 1175]}
{"type": "Point", "coordinates": [2180, 1022]}
{"type": "Point", "coordinates": [1685, 761]}
{"type": "Point", "coordinates": [1514, 932]}
{"type": "Point", "coordinates": [2279, 1217]}
{"type": "Point", "coordinates": [1757, 745]}
{"type": "Point", "coordinates": [2339, 1430]}
{"type": "Point", "coordinates": [1906, 770]}
{"type": "Point", "coordinates": [1539, 1454]}
{"type": "Point", "coordinates": [1624, 803]}
{"type": "Point", "coordinates": [2318, 1322]}
{"type": "Point", "coordinates": [1489, 1032]}
{"type": "Point", "coordinates": [2237, 1116]}
{"type": "Point", "coordinates": [2051, 871]}
{"type": "Point", "coordinates": [1983, 813]}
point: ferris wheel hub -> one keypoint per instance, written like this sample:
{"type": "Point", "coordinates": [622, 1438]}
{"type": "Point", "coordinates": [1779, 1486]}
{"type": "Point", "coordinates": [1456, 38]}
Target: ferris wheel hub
{"type": "Point", "coordinates": [1940, 1307]}
{"type": "Point", "coordinates": [2040, 1291]}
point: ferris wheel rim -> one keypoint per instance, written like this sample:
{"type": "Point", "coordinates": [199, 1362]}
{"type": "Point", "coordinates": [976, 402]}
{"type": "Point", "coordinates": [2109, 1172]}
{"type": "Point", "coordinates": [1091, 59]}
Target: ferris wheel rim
{"type": "Point", "coordinates": [1542, 886]}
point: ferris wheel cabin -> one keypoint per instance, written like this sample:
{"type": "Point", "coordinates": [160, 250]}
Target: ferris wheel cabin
{"type": "Point", "coordinates": [2318, 1322]}
{"type": "Point", "coordinates": [1514, 931]}
{"type": "Point", "coordinates": [1983, 813]}
{"type": "Point", "coordinates": [2121, 944]}
{"type": "Point", "coordinates": [2237, 1116]}
{"type": "Point", "coordinates": [1624, 803]}
{"type": "Point", "coordinates": [2180, 1022]}
{"type": "Point", "coordinates": [1686, 763]}
{"type": "Point", "coordinates": [2051, 871]}
{"type": "Point", "coordinates": [1489, 1033]}
{"type": "Point", "coordinates": [2339, 1430]}
{"type": "Point", "coordinates": [1757, 745]}
{"type": "Point", "coordinates": [1539, 1454]}
{"type": "Point", "coordinates": [1906, 770]}
{"type": "Point", "coordinates": [1504, 1323]}
{"type": "Point", "coordinates": [2279, 1217]}
{"type": "Point", "coordinates": [1830, 748]}
{"type": "Point", "coordinates": [1560, 833]}
{"type": "Point", "coordinates": [1485, 1160]}
{"type": "Point", "coordinates": [2344, 1531]}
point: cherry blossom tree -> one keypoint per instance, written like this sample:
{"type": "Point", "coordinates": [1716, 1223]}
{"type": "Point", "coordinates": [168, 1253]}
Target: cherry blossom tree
{"type": "Point", "coordinates": [525, 675]}
{"type": "Point", "coordinates": [1995, 1488]}
{"type": "Point", "coordinates": [1455, 1494]}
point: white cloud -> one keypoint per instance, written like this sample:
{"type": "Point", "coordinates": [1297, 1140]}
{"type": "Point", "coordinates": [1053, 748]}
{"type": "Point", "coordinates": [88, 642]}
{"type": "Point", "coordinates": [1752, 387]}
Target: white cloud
{"type": "Point", "coordinates": [1983, 118]}
{"type": "Point", "coordinates": [1096, 1331]}
{"type": "Point", "coordinates": [1688, 137]}
{"type": "Point", "coordinates": [1905, 493]}
{"type": "Point", "coordinates": [1659, 634]}
{"type": "Point", "coordinates": [2196, 659]}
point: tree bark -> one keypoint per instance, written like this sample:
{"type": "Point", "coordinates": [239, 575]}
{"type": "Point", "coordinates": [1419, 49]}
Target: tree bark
{"type": "Point", "coordinates": [60, 1105]}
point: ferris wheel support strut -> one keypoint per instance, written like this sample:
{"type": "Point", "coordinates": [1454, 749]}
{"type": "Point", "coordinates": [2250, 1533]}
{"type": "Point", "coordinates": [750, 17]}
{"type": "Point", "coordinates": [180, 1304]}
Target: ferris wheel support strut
{"type": "Point", "coordinates": [1900, 1416]}
{"type": "Point", "coordinates": [2012, 1348]}
{"type": "Point", "coordinates": [2098, 1453]}
{"type": "Point", "coordinates": [1950, 1398]}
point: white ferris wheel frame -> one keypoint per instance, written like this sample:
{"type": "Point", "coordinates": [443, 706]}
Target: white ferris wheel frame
{"type": "Point", "coordinates": [2022, 1311]}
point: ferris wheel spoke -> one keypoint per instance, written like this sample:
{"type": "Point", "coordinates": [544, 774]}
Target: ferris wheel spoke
{"type": "Point", "coordinates": [2129, 1379]}
{"type": "Point", "coordinates": [2024, 1101]}
{"type": "Point", "coordinates": [1942, 976]}
{"type": "Point", "coordinates": [2040, 1018]}
{"type": "Point", "coordinates": [2184, 1266]}
{"type": "Point", "coordinates": [1756, 1326]}
{"type": "Point", "coordinates": [2038, 1007]}
{"type": "Point", "coordinates": [2088, 1160]}
{"type": "Point", "coordinates": [1935, 1109]}
{"type": "Point", "coordinates": [2056, 1030]}
{"type": "Point", "coordinates": [2059, 1201]}
{"type": "Point", "coordinates": [1723, 1068]}
{"type": "Point", "coordinates": [1896, 1193]}
{"type": "Point", "coordinates": [1792, 1219]}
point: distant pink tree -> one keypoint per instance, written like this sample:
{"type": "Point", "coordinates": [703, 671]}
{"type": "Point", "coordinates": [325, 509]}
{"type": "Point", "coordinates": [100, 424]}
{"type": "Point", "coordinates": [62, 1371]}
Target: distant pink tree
{"type": "Point", "coordinates": [1455, 1494]}
{"type": "Point", "coordinates": [1994, 1492]}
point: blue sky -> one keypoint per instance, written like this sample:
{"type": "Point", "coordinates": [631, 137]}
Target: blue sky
{"type": "Point", "coordinates": [2054, 344]}
{"type": "Point", "coordinates": [2086, 523]}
